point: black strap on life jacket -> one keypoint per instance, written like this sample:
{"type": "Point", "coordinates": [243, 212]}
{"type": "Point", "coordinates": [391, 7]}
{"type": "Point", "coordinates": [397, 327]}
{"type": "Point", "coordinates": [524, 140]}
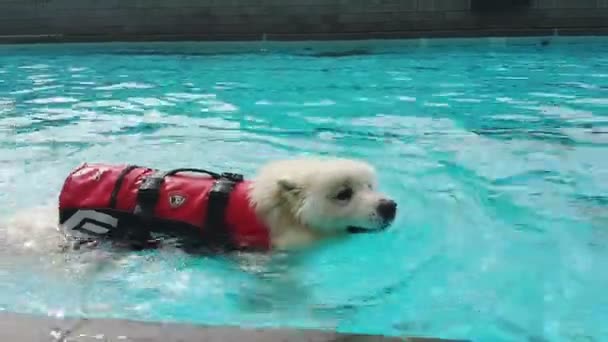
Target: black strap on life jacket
{"type": "Point", "coordinates": [216, 233]}
{"type": "Point", "coordinates": [118, 184]}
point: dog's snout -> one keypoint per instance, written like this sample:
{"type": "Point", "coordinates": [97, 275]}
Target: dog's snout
{"type": "Point", "coordinates": [387, 209]}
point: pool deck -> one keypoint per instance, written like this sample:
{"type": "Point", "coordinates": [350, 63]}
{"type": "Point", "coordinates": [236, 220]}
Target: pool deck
{"type": "Point", "coordinates": [18, 327]}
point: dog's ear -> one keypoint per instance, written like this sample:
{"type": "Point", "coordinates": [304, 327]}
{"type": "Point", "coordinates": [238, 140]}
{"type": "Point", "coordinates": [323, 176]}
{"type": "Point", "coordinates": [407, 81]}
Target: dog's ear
{"type": "Point", "coordinates": [289, 189]}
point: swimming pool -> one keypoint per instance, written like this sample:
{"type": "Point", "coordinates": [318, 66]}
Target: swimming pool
{"type": "Point", "coordinates": [492, 148]}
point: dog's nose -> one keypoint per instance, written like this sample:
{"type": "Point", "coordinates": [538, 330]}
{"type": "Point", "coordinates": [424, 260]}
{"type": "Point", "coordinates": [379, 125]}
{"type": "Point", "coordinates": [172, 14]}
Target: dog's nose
{"type": "Point", "coordinates": [387, 209]}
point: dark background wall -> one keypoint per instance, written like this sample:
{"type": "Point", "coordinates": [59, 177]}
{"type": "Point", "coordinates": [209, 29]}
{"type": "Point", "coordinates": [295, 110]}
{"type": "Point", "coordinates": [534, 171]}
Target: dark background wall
{"type": "Point", "coordinates": [292, 19]}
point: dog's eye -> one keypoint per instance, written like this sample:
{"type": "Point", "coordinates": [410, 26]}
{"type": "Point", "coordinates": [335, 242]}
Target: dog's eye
{"type": "Point", "coordinates": [345, 194]}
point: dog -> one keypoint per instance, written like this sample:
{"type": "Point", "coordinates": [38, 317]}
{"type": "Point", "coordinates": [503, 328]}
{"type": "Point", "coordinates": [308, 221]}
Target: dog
{"type": "Point", "coordinates": [300, 201]}
{"type": "Point", "coordinates": [310, 199]}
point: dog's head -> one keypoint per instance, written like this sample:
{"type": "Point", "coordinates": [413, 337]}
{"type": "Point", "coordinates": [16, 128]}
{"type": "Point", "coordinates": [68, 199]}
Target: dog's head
{"type": "Point", "coordinates": [328, 196]}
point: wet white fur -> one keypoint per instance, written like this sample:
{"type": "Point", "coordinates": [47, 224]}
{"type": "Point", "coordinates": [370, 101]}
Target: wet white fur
{"type": "Point", "coordinates": [33, 230]}
{"type": "Point", "coordinates": [296, 199]}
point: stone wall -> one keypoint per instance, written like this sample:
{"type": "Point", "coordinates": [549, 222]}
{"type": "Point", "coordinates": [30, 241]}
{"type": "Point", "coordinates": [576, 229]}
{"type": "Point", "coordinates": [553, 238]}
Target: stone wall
{"type": "Point", "coordinates": [292, 19]}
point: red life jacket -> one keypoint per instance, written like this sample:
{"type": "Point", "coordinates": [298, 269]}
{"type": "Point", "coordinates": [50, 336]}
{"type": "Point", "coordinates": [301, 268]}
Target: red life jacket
{"type": "Point", "coordinates": [96, 197]}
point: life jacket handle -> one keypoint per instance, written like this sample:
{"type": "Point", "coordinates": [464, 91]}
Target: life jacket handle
{"type": "Point", "coordinates": [194, 170]}
{"type": "Point", "coordinates": [148, 192]}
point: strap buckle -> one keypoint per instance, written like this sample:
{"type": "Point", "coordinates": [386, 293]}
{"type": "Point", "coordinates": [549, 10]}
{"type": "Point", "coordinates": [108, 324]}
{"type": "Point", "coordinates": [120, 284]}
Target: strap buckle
{"type": "Point", "coordinates": [149, 187]}
{"type": "Point", "coordinates": [234, 177]}
{"type": "Point", "coordinates": [148, 193]}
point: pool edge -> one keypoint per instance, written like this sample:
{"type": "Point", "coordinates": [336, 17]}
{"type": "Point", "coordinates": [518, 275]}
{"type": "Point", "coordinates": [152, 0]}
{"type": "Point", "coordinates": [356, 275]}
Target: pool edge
{"type": "Point", "coordinates": [248, 37]}
{"type": "Point", "coordinates": [22, 327]}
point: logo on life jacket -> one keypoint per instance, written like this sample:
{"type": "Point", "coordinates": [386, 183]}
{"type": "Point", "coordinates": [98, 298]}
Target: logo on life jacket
{"type": "Point", "coordinates": [176, 200]}
{"type": "Point", "coordinates": [92, 221]}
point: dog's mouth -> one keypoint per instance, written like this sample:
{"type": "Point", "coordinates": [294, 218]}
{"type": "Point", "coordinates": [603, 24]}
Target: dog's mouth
{"type": "Point", "coordinates": [361, 230]}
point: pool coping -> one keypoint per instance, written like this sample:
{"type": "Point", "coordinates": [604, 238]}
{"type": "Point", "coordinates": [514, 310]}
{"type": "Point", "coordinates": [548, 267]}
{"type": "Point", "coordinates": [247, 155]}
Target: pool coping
{"type": "Point", "coordinates": [22, 327]}
{"type": "Point", "coordinates": [470, 33]}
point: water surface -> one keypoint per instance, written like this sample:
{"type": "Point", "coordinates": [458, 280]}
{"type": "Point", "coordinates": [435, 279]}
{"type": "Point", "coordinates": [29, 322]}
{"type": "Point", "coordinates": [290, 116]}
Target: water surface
{"type": "Point", "coordinates": [492, 148]}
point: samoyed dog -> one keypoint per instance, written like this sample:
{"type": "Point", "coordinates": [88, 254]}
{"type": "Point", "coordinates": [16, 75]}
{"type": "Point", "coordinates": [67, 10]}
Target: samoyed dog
{"type": "Point", "coordinates": [301, 201]}
{"type": "Point", "coordinates": [306, 200]}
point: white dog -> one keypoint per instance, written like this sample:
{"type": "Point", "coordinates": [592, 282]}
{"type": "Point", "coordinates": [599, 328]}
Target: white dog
{"type": "Point", "coordinates": [304, 200]}
{"type": "Point", "coordinates": [301, 201]}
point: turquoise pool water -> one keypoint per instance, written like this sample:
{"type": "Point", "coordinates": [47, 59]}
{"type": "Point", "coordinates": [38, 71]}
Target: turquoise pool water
{"type": "Point", "coordinates": [493, 149]}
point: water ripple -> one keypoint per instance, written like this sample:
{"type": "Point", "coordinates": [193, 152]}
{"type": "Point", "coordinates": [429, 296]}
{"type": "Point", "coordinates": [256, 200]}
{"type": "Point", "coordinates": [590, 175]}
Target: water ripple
{"type": "Point", "coordinates": [125, 85]}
